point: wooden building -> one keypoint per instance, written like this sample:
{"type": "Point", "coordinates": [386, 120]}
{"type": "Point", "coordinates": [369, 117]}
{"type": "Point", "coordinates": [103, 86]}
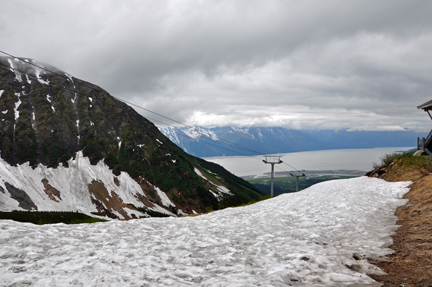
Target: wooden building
{"type": "Point", "coordinates": [425, 142]}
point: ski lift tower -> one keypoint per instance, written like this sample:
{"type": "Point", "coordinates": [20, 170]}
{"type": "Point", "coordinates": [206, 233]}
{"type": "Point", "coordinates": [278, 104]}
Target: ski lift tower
{"type": "Point", "coordinates": [272, 160]}
{"type": "Point", "coordinates": [297, 174]}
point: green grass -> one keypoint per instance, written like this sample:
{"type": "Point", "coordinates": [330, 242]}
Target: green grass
{"type": "Point", "coordinates": [49, 217]}
{"type": "Point", "coordinates": [407, 160]}
{"type": "Point", "coordinates": [288, 184]}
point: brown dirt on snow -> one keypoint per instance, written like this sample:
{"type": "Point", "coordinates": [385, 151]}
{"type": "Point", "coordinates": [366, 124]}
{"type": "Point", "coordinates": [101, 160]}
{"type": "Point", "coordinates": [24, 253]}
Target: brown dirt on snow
{"type": "Point", "coordinates": [411, 264]}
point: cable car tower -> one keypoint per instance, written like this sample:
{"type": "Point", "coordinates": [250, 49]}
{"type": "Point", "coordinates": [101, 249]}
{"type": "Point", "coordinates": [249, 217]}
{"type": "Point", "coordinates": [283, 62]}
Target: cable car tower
{"type": "Point", "coordinates": [297, 174]}
{"type": "Point", "coordinates": [272, 160]}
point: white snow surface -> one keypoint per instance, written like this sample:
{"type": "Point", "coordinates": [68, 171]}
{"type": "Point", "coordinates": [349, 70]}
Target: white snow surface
{"type": "Point", "coordinates": [17, 104]}
{"type": "Point", "coordinates": [223, 189]}
{"type": "Point", "coordinates": [164, 198]}
{"type": "Point", "coordinates": [28, 80]}
{"type": "Point", "coordinates": [38, 76]}
{"type": "Point", "coordinates": [15, 70]}
{"type": "Point", "coordinates": [309, 236]}
{"type": "Point", "coordinates": [198, 172]}
{"type": "Point", "coordinates": [1, 93]}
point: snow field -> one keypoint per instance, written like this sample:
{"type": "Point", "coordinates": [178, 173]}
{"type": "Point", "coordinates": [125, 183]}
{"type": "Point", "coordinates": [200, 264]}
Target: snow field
{"type": "Point", "coordinates": [303, 239]}
{"type": "Point", "coordinates": [72, 183]}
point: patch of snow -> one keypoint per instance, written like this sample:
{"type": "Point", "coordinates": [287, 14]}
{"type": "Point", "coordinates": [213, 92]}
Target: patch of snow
{"type": "Point", "coordinates": [159, 141]}
{"type": "Point", "coordinates": [1, 93]}
{"type": "Point", "coordinates": [69, 77]}
{"type": "Point", "coordinates": [163, 197]}
{"type": "Point", "coordinates": [260, 135]}
{"type": "Point", "coordinates": [223, 189]}
{"type": "Point", "coordinates": [91, 100]}
{"type": "Point", "coordinates": [91, 123]}
{"type": "Point", "coordinates": [173, 161]}
{"type": "Point", "coordinates": [198, 172]}
{"type": "Point", "coordinates": [77, 124]}
{"type": "Point", "coordinates": [131, 212]}
{"type": "Point", "coordinates": [33, 120]}
{"type": "Point", "coordinates": [309, 236]}
{"type": "Point", "coordinates": [160, 209]}
{"type": "Point", "coordinates": [4, 112]}
{"type": "Point", "coordinates": [15, 70]}
{"type": "Point", "coordinates": [214, 194]}
{"type": "Point", "coordinates": [181, 212]}
{"type": "Point", "coordinates": [194, 212]}
{"type": "Point", "coordinates": [119, 215]}
{"type": "Point", "coordinates": [17, 104]}
{"type": "Point", "coordinates": [52, 107]}
{"type": "Point", "coordinates": [38, 77]}
{"type": "Point", "coordinates": [48, 98]}
{"type": "Point", "coordinates": [141, 145]}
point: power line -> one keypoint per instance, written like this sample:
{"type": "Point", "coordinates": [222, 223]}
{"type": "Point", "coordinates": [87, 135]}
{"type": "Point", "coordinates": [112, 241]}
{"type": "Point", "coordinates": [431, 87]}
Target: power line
{"type": "Point", "coordinates": [127, 102]}
{"type": "Point", "coordinates": [7, 68]}
{"type": "Point", "coordinates": [140, 107]}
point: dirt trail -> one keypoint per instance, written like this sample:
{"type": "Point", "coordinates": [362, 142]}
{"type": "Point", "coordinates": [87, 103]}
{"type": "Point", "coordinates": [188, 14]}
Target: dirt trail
{"type": "Point", "coordinates": [411, 264]}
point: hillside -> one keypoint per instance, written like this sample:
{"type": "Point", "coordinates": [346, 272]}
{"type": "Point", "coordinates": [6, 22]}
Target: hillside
{"type": "Point", "coordinates": [68, 145]}
{"type": "Point", "coordinates": [411, 264]}
{"type": "Point", "coordinates": [218, 141]}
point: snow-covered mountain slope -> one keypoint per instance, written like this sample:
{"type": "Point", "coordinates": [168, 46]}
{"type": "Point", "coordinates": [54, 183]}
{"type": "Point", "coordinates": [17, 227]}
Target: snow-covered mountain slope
{"type": "Point", "coordinates": [84, 148]}
{"type": "Point", "coordinates": [89, 189]}
{"type": "Point", "coordinates": [217, 141]}
{"type": "Point", "coordinates": [317, 237]}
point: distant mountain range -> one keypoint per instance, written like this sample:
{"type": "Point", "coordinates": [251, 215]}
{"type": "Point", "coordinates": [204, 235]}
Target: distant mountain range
{"type": "Point", "coordinates": [218, 141]}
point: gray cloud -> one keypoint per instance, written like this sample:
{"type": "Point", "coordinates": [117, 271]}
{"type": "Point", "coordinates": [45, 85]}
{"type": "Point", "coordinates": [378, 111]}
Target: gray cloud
{"type": "Point", "coordinates": [300, 64]}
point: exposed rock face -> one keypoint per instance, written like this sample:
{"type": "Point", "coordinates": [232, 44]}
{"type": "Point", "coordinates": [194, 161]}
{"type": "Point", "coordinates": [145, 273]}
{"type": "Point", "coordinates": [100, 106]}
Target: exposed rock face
{"type": "Point", "coordinates": [48, 118]}
{"type": "Point", "coordinates": [420, 152]}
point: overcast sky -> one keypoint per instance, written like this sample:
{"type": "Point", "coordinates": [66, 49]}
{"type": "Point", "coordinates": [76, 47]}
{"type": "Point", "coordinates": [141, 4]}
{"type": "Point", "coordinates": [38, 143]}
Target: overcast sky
{"type": "Point", "coordinates": [363, 65]}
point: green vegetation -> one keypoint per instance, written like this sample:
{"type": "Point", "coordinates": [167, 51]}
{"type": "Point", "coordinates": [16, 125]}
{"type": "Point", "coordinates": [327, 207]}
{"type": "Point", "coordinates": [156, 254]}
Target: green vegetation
{"type": "Point", "coordinates": [288, 184]}
{"type": "Point", "coordinates": [389, 158]}
{"type": "Point", "coordinates": [49, 217]}
{"type": "Point", "coordinates": [262, 197]}
{"type": "Point", "coordinates": [407, 160]}
{"type": "Point", "coordinates": [243, 190]}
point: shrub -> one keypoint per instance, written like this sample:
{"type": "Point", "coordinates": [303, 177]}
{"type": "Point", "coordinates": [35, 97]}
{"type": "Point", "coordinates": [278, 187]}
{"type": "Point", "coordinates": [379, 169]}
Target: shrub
{"type": "Point", "coordinates": [390, 157]}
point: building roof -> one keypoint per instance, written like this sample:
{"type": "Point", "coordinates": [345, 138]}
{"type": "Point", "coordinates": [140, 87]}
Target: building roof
{"type": "Point", "coordinates": [426, 106]}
